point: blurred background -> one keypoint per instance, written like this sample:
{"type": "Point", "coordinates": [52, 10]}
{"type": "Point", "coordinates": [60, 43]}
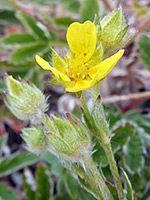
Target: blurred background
{"type": "Point", "coordinates": [30, 27]}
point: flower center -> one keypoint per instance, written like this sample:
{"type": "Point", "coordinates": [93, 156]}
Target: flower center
{"type": "Point", "coordinates": [76, 68]}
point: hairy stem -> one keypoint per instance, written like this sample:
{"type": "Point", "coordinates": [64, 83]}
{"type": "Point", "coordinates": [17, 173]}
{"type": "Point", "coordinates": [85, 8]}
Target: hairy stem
{"type": "Point", "coordinates": [100, 181]}
{"type": "Point", "coordinates": [103, 138]}
{"type": "Point", "coordinates": [114, 170]}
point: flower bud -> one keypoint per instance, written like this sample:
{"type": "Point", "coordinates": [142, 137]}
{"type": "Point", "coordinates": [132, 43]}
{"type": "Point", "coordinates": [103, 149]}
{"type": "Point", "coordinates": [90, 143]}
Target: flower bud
{"type": "Point", "coordinates": [114, 30]}
{"type": "Point", "coordinates": [70, 137]}
{"type": "Point", "coordinates": [24, 99]}
{"type": "Point", "coordinates": [35, 138]}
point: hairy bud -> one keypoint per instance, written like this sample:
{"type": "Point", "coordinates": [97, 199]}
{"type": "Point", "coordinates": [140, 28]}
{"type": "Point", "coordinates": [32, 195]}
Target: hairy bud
{"type": "Point", "coordinates": [24, 99]}
{"type": "Point", "coordinates": [114, 30]}
{"type": "Point", "coordinates": [35, 138]}
{"type": "Point", "coordinates": [70, 138]}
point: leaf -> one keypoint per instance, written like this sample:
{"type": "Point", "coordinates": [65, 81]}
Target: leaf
{"type": "Point", "coordinates": [12, 68]}
{"type": "Point", "coordinates": [61, 186]}
{"type": "Point", "coordinates": [146, 192]}
{"type": "Point", "coordinates": [82, 195]}
{"type": "Point", "coordinates": [27, 52]}
{"type": "Point", "coordinates": [72, 5]}
{"type": "Point", "coordinates": [65, 197]}
{"type": "Point", "coordinates": [34, 26]}
{"type": "Point", "coordinates": [17, 39]}
{"type": "Point", "coordinates": [128, 186]}
{"type": "Point", "coordinates": [89, 9]}
{"type": "Point", "coordinates": [17, 161]}
{"type": "Point", "coordinates": [121, 136]}
{"type": "Point", "coordinates": [29, 184]}
{"type": "Point", "coordinates": [71, 185]}
{"type": "Point", "coordinates": [44, 183]}
{"type": "Point", "coordinates": [99, 116]}
{"type": "Point", "coordinates": [133, 158]}
{"type": "Point", "coordinates": [66, 21]}
{"type": "Point", "coordinates": [56, 167]}
{"type": "Point", "coordinates": [99, 155]}
{"type": "Point", "coordinates": [8, 17]}
{"type": "Point", "coordinates": [112, 190]}
{"type": "Point", "coordinates": [6, 193]}
{"type": "Point", "coordinates": [87, 186]}
{"type": "Point", "coordinates": [141, 124]}
{"type": "Point", "coordinates": [113, 115]}
{"type": "Point", "coordinates": [144, 45]}
{"type": "Point", "coordinates": [3, 140]}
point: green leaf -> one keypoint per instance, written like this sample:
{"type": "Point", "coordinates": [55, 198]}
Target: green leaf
{"type": "Point", "coordinates": [146, 192]}
{"type": "Point", "coordinates": [82, 195]}
{"type": "Point", "coordinates": [89, 9]}
{"type": "Point", "coordinates": [61, 186]}
{"type": "Point", "coordinates": [144, 45]}
{"type": "Point", "coordinates": [34, 26]}
{"type": "Point", "coordinates": [71, 185]}
{"type": "Point", "coordinates": [133, 158]}
{"type": "Point", "coordinates": [56, 167]}
{"type": "Point", "coordinates": [66, 21]}
{"type": "Point", "coordinates": [3, 140]}
{"type": "Point", "coordinates": [99, 116]}
{"type": "Point", "coordinates": [8, 17]}
{"type": "Point", "coordinates": [29, 185]}
{"type": "Point", "coordinates": [17, 161]}
{"type": "Point", "coordinates": [61, 197]}
{"type": "Point", "coordinates": [113, 190]}
{"type": "Point", "coordinates": [121, 136]}
{"type": "Point", "coordinates": [17, 39]}
{"type": "Point", "coordinates": [27, 52]}
{"type": "Point", "coordinates": [44, 183]}
{"type": "Point", "coordinates": [128, 186]}
{"type": "Point", "coordinates": [72, 5]}
{"type": "Point", "coordinates": [113, 115]}
{"type": "Point", "coordinates": [99, 155]}
{"type": "Point", "coordinates": [95, 190]}
{"type": "Point", "coordinates": [6, 193]}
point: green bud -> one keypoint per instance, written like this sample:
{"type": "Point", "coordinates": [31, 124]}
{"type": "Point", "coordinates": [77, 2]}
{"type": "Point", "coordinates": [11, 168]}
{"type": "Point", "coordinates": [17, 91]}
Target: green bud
{"type": "Point", "coordinates": [114, 30]}
{"type": "Point", "coordinates": [35, 138]}
{"type": "Point", "coordinates": [70, 138]}
{"type": "Point", "coordinates": [24, 99]}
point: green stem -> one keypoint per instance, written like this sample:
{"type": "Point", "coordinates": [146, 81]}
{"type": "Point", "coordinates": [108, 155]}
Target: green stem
{"type": "Point", "coordinates": [104, 140]}
{"type": "Point", "coordinates": [97, 89]}
{"type": "Point", "coordinates": [103, 188]}
{"type": "Point", "coordinates": [114, 169]}
{"type": "Point", "coordinates": [85, 106]}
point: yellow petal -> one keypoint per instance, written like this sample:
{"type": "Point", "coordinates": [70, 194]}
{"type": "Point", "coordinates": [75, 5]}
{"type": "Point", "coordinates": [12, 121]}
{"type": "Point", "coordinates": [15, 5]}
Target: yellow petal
{"type": "Point", "coordinates": [82, 39]}
{"type": "Point", "coordinates": [104, 68]}
{"type": "Point", "coordinates": [80, 85]}
{"type": "Point", "coordinates": [46, 66]}
{"type": "Point", "coordinates": [43, 63]}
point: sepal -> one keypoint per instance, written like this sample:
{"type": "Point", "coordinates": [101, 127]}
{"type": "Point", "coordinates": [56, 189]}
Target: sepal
{"type": "Point", "coordinates": [35, 138]}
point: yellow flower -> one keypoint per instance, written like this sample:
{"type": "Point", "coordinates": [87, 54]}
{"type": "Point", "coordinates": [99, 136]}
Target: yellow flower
{"type": "Point", "coordinates": [84, 66]}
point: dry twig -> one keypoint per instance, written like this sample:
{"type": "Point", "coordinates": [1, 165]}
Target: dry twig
{"type": "Point", "coordinates": [118, 98]}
